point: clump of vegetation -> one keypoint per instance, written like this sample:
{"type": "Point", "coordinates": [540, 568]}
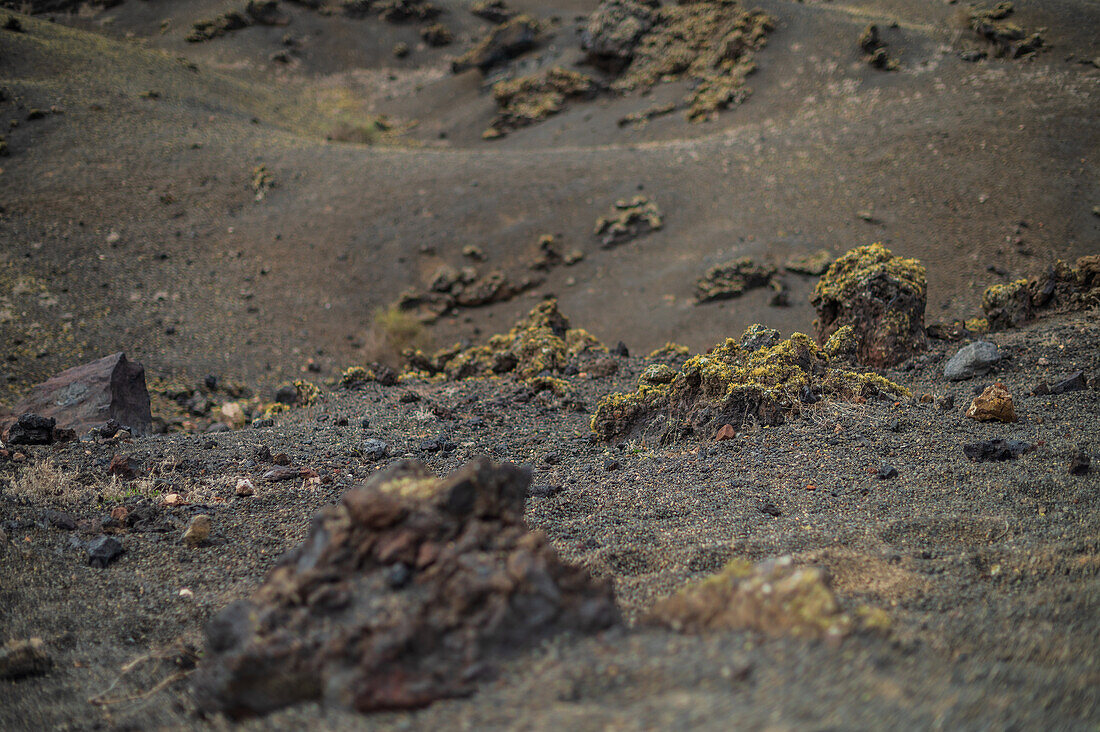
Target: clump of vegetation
{"type": "Point", "coordinates": [262, 181]}
{"type": "Point", "coordinates": [711, 43]}
{"type": "Point", "coordinates": [881, 296]}
{"type": "Point", "coordinates": [394, 331]}
{"type": "Point", "coordinates": [671, 351]}
{"type": "Point", "coordinates": [45, 480]}
{"type": "Point", "coordinates": [307, 393]}
{"type": "Point", "coordinates": [540, 345]}
{"type": "Point", "coordinates": [874, 50]}
{"type": "Point", "coordinates": [628, 220]}
{"type": "Point", "coordinates": [529, 99]}
{"type": "Point", "coordinates": [1007, 39]}
{"type": "Point", "coordinates": [757, 379]}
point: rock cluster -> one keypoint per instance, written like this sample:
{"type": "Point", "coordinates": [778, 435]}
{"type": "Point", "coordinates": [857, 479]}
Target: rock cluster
{"type": "Point", "coordinates": [404, 593]}
{"type": "Point", "coordinates": [732, 279]}
{"type": "Point", "coordinates": [540, 345]}
{"type": "Point", "coordinates": [454, 289]}
{"type": "Point", "coordinates": [1007, 39]}
{"type": "Point", "coordinates": [628, 220]}
{"type": "Point", "coordinates": [881, 296]}
{"type": "Point", "coordinates": [759, 378]}
{"type": "Point", "coordinates": [528, 99]}
{"type": "Point", "coordinates": [504, 42]}
{"type": "Point", "coordinates": [1062, 286]}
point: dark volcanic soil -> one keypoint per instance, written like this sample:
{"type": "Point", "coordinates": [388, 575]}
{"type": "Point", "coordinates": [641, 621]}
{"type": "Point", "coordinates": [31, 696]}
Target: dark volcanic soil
{"type": "Point", "coordinates": [130, 224]}
{"type": "Point", "coordinates": [988, 572]}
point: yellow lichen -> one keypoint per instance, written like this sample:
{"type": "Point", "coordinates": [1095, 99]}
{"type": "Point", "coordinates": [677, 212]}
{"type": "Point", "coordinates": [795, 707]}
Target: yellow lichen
{"type": "Point", "coordinates": [355, 375]}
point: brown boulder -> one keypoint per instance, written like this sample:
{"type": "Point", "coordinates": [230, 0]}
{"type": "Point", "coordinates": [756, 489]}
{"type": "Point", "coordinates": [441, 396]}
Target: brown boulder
{"type": "Point", "coordinates": [881, 296]}
{"type": "Point", "coordinates": [993, 405]}
{"type": "Point", "coordinates": [87, 396]}
{"type": "Point", "coordinates": [404, 593]}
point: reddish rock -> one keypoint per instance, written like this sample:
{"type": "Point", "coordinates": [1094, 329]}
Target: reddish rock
{"type": "Point", "coordinates": [727, 432]}
{"type": "Point", "coordinates": [404, 593]}
{"type": "Point", "coordinates": [87, 396]}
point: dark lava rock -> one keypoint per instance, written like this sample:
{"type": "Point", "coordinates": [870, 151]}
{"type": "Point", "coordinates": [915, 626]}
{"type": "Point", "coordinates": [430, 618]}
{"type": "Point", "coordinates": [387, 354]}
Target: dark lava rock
{"type": "Point", "coordinates": [732, 279]}
{"type": "Point", "coordinates": [620, 350]}
{"type": "Point", "coordinates": [504, 42]}
{"type": "Point", "coordinates": [1080, 464]}
{"type": "Point", "coordinates": [122, 466]}
{"type": "Point", "coordinates": [31, 429]}
{"type": "Point", "coordinates": [103, 550]}
{"type": "Point", "coordinates": [628, 220]}
{"type": "Point", "coordinates": [972, 360]}
{"type": "Point", "coordinates": [1076, 382]}
{"type": "Point", "coordinates": [885, 472]}
{"type": "Point", "coordinates": [329, 624]}
{"type": "Point", "coordinates": [881, 296]}
{"type": "Point", "coordinates": [545, 491]}
{"type": "Point", "coordinates": [771, 509]}
{"type": "Point", "coordinates": [86, 396]}
{"type": "Point", "coordinates": [19, 659]}
{"type": "Point", "coordinates": [610, 465]}
{"type": "Point", "coordinates": [61, 520]}
{"type": "Point", "coordinates": [614, 29]}
{"type": "Point", "coordinates": [375, 449]}
{"type": "Point", "coordinates": [994, 450]}
{"type": "Point", "coordinates": [287, 394]}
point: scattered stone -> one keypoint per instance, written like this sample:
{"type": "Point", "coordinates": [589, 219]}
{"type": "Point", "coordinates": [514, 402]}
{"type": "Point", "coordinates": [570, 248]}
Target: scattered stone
{"type": "Point", "coordinates": [610, 465]}
{"type": "Point", "coordinates": [732, 385]}
{"type": "Point", "coordinates": [1076, 382]}
{"type": "Point", "coordinates": [121, 466]}
{"type": "Point", "coordinates": [173, 499]}
{"type": "Point", "coordinates": [400, 49]}
{"type": "Point", "coordinates": [102, 550]}
{"type": "Point", "coordinates": [86, 396]}
{"type": "Point", "coordinates": [286, 394]}
{"type": "Point", "coordinates": [973, 360]}
{"type": "Point", "coordinates": [281, 459]}
{"type": "Point", "coordinates": [886, 472]}
{"type": "Point", "coordinates": [476, 586]}
{"type": "Point", "coordinates": [545, 491]}
{"type": "Point", "coordinates": [197, 531]}
{"type": "Point", "coordinates": [22, 658]}
{"type": "Point", "coordinates": [1061, 287]}
{"type": "Point", "coordinates": [771, 509]}
{"type": "Point", "coordinates": [947, 403]}
{"type": "Point", "coordinates": [31, 429]}
{"type": "Point", "coordinates": [276, 475]}
{"type": "Point", "coordinates": [375, 449]}
{"type": "Point", "coordinates": [454, 289]}
{"type": "Point", "coordinates": [995, 450]}
{"type": "Point", "coordinates": [437, 35]}
{"type": "Point", "coordinates": [494, 11]}
{"type": "Point", "coordinates": [526, 100]}
{"type": "Point", "coordinates": [993, 405]}
{"type": "Point", "coordinates": [1040, 389]}
{"type": "Point", "coordinates": [61, 520]}
{"type": "Point", "coordinates": [881, 296]}
{"type": "Point", "coordinates": [874, 50]}
{"type": "Point", "coordinates": [774, 597]}
{"type": "Point", "coordinates": [620, 350]}
{"type": "Point", "coordinates": [245, 487]}
{"type": "Point", "coordinates": [814, 264]}
{"type": "Point", "coordinates": [211, 28]}
{"type": "Point", "coordinates": [503, 43]}
{"type": "Point", "coordinates": [1007, 39]}
{"type": "Point", "coordinates": [628, 220]}
{"type": "Point", "coordinates": [1080, 464]}
{"type": "Point", "coordinates": [726, 432]}
{"type": "Point", "coordinates": [733, 279]}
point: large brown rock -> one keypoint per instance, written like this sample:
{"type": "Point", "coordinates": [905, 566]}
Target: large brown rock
{"type": "Point", "coordinates": [881, 296]}
{"type": "Point", "coordinates": [87, 396]}
{"type": "Point", "coordinates": [404, 593]}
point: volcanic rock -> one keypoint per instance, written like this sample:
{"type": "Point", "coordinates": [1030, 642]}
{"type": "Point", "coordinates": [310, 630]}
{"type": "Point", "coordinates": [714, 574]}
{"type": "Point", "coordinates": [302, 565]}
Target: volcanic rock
{"type": "Point", "coordinates": [331, 624]}
{"type": "Point", "coordinates": [881, 296]}
{"type": "Point", "coordinates": [31, 429]}
{"type": "Point", "coordinates": [102, 550]}
{"type": "Point", "coordinates": [628, 220]}
{"type": "Point", "coordinates": [992, 405]}
{"type": "Point", "coordinates": [87, 396]}
{"type": "Point", "coordinates": [504, 42]}
{"type": "Point", "coordinates": [774, 597]}
{"type": "Point", "coordinates": [995, 450]}
{"type": "Point", "coordinates": [972, 360]}
{"type": "Point", "coordinates": [733, 279]}
{"type": "Point", "coordinates": [732, 385]}
{"type": "Point", "coordinates": [614, 29]}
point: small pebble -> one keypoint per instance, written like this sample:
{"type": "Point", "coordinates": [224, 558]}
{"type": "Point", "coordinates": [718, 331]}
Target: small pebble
{"type": "Point", "coordinates": [197, 531]}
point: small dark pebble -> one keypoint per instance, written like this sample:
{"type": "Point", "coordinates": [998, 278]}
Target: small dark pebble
{"type": "Point", "coordinates": [341, 421]}
{"type": "Point", "coordinates": [409, 397]}
{"type": "Point", "coordinates": [552, 458]}
{"type": "Point", "coordinates": [621, 350]}
{"type": "Point", "coordinates": [398, 575]}
{"type": "Point", "coordinates": [364, 423]}
{"type": "Point", "coordinates": [947, 402]}
{"type": "Point", "coordinates": [209, 445]}
{"type": "Point", "coordinates": [61, 520]}
{"type": "Point", "coordinates": [375, 449]}
{"type": "Point", "coordinates": [885, 472]}
{"type": "Point", "coordinates": [1041, 389]}
{"type": "Point", "coordinates": [770, 508]}
{"type": "Point", "coordinates": [1080, 464]}
{"type": "Point", "coordinates": [611, 464]}
{"type": "Point", "coordinates": [260, 424]}
{"type": "Point", "coordinates": [287, 394]}
{"type": "Point", "coordinates": [544, 491]}
{"type": "Point", "coordinates": [1076, 382]}
{"type": "Point", "coordinates": [991, 450]}
{"type": "Point", "coordinates": [103, 550]}
{"type": "Point", "coordinates": [263, 452]}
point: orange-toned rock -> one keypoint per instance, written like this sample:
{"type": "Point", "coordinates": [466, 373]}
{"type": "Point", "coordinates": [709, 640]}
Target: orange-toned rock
{"type": "Point", "coordinates": [993, 405]}
{"type": "Point", "coordinates": [727, 432]}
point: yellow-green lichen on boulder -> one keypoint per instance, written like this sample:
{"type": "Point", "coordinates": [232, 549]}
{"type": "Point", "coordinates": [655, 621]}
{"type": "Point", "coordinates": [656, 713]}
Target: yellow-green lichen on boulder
{"type": "Point", "coordinates": [539, 345]}
{"type": "Point", "coordinates": [881, 296]}
{"type": "Point", "coordinates": [1062, 286]}
{"type": "Point", "coordinates": [757, 378]}
{"type": "Point", "coordinates": [775, 597]}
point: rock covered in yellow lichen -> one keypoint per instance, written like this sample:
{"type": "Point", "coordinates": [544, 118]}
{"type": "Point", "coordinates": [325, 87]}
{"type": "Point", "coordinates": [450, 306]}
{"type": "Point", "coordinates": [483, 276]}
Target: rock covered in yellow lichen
{"type": "Point", "coordinates": [539, 345]}
{"type": "Point", "coordinates": [756, 378]}
{"type": "Point", "coordinates": [774, 597]}
{"type": "Point", "coordinates": [881, 296]}
{"type": "Point", "coordinates": [1062, 286]}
